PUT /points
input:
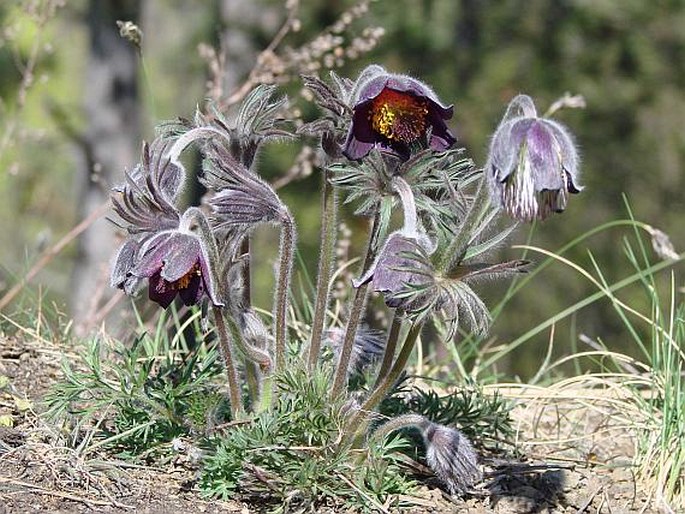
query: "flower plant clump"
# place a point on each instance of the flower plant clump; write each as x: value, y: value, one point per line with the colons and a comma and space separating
x: 385, y: 146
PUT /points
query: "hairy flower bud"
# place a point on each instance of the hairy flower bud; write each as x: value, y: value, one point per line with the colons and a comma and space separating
x: 369, y: 345
x: 533, y: 163
x: 451, y: 457
x: 448, y: 452
x: 401, y: 270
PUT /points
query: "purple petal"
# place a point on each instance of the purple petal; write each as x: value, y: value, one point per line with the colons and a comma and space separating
x: 568, y: 153
x: 393, y: 272
x: 518, y: 133
x: 123, y: 262
x: 152, y: 255
x: 174, y: 253
x: 441, y: 137
x: 184, y: 254
x: 543, y: 156
x: 159, y: 291
x: 355, y: 149
x: 405, y: 84
x: 360, y: 137
x: 372, y: 88
x: 192, y: 294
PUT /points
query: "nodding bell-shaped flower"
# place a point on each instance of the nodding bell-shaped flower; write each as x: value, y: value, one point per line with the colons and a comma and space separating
x: 395, y: 112
x: 533, y: 163
x: 401, y: 271
x: 177, y: 262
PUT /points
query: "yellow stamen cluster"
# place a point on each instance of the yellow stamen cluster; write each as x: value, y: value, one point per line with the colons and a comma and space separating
x: 399, y: 116
x: 184, y: 281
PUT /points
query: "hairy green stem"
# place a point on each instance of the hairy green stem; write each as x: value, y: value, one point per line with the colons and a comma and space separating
x: 390, y: 345
x: 256, y: 359
x: 406, y: 420
x: 252, y: 373
x: 358, y: 303
x: 359, y: 421
x: 459, y: 245
x: 287, y: 246
x: 189, y: 137
x: 326, y: 256
x: 227, y: 353
x: 411, y: 223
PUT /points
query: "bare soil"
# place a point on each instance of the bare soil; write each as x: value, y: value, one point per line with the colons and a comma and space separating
x: 577, y: 449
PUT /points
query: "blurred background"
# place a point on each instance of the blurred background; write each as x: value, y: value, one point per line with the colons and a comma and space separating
x: 76, y: 99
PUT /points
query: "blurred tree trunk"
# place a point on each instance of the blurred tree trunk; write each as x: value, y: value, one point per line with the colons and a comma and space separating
x: 111, y: 103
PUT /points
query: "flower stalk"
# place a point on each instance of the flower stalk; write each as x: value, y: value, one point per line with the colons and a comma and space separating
x: 359, y: 421
x: 234, y: 394
x: 406, y: 195
x: 325, y: 271
x: 287, y: 246
x: 252, y: 372
x: 457, y: 248
x: 390, y: 345
x: 358, y: 303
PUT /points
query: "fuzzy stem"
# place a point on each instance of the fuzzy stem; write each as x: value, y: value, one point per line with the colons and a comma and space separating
x: 390, y: 345
x: 459, y: 245
x: 406, y: 420
x: 245, y: 272
x: 227, y: 353
x: 406, y: 195
x: 287, y: 246
x: 326, y: 256
x: 192, y: 135
x: 257, y: 360
x: 384, y: 387
x: 358, y: 303
x: 252, y: 372
x: 359, y: 421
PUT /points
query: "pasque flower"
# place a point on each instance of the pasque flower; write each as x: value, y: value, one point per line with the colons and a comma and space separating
x: 395, y: 112
x: 176, y: 262
x: 167, y: 248
x: 400, y: 272
x: 533, y: 163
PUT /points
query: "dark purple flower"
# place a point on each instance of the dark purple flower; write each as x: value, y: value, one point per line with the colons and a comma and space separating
x: 400, y: 272
x: 395, y: 111
x: 533, y: 163
x: 175, y: 262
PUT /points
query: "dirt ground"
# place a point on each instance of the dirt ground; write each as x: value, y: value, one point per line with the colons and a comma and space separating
x: 576, y: 447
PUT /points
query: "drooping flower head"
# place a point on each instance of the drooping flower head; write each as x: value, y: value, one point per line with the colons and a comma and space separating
x: 400, y: 272
x: 533, y: 163
x: 177, y: 262
x: 146, y: 205
x: 395, y: 112
x: 451, y: 457
x: 449, y: 453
